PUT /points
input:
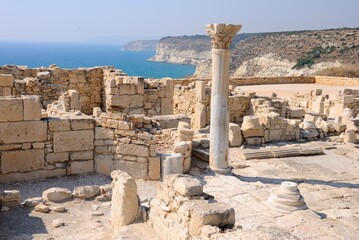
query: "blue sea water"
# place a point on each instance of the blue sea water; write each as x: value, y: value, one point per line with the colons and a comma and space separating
x: 74, y: 55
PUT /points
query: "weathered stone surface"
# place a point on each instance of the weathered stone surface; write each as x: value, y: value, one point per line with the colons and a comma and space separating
x: 10, y: 198
x: 85, y: 155
x: 171, y: 164
x: 104, y: 163
x: 235, y: 135
x: 73, y: 141
x: 32, y: 108
x: 59, y: 124
x: 166, y: 106
x: 11, y: 109
x: 6, y: 80
x: 56, y: 194
x: 135, y: 169
x: 32, y: 202
x: 215, y: 214
x: 22, y: 161
x: 104, y: 133
x: 82, y: 123
x: 82, y: 167
x: 42, y: 208
x: 154, y: 168
x: 125, y: 202
x: 86, y: 191
x: 132, y: 149
x: 57, y: 157
x: 20, y: 132
x: 188, y: 186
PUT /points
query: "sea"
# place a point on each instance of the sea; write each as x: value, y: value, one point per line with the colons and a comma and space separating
x: 74, y: 55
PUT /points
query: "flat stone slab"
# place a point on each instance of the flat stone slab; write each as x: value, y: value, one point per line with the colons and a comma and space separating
x: 248, y: 154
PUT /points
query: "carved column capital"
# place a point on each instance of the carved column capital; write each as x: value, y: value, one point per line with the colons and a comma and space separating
x: 222, y: 34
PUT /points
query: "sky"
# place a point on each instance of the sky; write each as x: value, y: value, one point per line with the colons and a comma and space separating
x: 125, y: 20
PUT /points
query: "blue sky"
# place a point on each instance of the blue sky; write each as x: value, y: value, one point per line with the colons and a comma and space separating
x: 111, y: 20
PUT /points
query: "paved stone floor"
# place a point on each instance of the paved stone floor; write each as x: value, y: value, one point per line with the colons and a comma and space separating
x: 329, y: 184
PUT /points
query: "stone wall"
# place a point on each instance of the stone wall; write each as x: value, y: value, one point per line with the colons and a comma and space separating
x: 134, y: 95
x: 336, y: 81
x: 49, y: 83
x: 31, y: 147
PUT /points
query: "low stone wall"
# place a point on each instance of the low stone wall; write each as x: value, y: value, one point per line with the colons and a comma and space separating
x: 336, y: 81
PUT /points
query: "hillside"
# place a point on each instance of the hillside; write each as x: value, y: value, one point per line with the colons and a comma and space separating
x: 269, y: 54
x: 140, y: 45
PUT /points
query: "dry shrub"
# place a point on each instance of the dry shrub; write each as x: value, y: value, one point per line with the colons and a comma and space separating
x: 345, y: 70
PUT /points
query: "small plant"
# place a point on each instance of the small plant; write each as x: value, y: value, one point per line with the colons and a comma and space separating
x: 308, y: 60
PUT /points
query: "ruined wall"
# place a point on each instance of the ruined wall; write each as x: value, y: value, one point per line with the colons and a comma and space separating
x: 134, y: 95
x: 31, y: 147
x: 49, y: 83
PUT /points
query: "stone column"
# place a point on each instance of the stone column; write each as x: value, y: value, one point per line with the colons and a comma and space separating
x: 221, y: 36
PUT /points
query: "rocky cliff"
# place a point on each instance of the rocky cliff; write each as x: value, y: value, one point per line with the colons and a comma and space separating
x: 268, y: 54
x: 140, y: 45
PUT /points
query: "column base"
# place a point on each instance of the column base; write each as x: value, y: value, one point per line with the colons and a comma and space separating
x: 222, y: 171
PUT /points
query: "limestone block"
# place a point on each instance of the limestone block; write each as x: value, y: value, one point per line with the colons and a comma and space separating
x: 347, y: 99
x: 59, y: 124
x: 82, y: 123
x: 135, y: 169
x: 56, y: 194
x: 38, y: 145
x: 132, y: 149
x: 181, y: 147
x: 6, y: 80
x: 171, y: 164
x: 86, y: 192
x: 11, y: 109
x: 201, y: 90
x: 168, y: 82
x: 82, y: 167
x: 350, y: 136
x: 125, y: 202
x: 86, y: 155
x: 250, y: 122
x: 23, y: 132
x: 126, y: 101
x: 6, y: 91
x: 104, y: 164
x: 52, y: 158
x: 10, y: 198
x: 151, y: 94
x: 297, y: 112
x: 154, y: 168
x: 104, y: 133
x: 215, y: 214
x: 200, y: 117
x: 187, y: 162
x: 75, y: 100
x: 188, y: 186
x: 235, y: 135
x: 124, y: 125
x: 32, y: 108
x: 127, y: 89
x: 138, y: 81
x: 166, y: 106
x: 275, y: 135
x: 73, y: 141
x: 259, y: 132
